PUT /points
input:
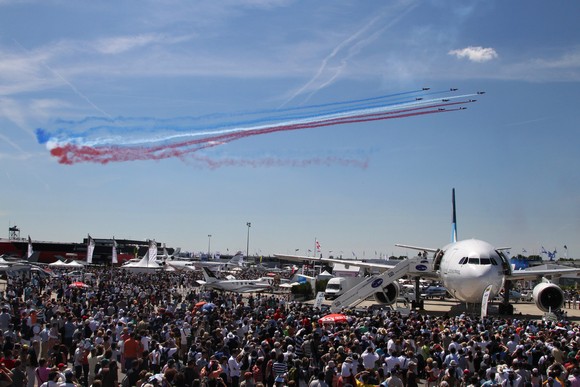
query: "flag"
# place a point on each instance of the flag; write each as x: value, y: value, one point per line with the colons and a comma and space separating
x: 30, y: 251
x: 524, y: 251
x: 317, y: 245
x: 565, y: 247
x: 296, y: 250
x: 90, y: 249
x: 114, y: 252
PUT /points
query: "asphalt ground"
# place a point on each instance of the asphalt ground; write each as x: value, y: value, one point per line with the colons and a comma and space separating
x: 437, y: 307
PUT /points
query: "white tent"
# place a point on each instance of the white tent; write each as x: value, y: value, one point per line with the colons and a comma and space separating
x: 58, y: 263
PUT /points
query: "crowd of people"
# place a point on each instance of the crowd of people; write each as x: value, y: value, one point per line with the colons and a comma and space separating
x: 159, y: 330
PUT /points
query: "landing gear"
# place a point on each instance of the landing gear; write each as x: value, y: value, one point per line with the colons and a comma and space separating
x: 418, y: 305
x: 507, y: 309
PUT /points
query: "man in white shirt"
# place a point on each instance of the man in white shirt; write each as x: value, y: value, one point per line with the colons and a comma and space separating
x: 235, y: 368
x: 369, y: 358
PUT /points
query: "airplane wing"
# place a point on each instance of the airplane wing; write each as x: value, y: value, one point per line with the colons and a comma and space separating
x: 429, y: 249
x: 537, y: 273
x: 346, y: 262
x: 353, y: 262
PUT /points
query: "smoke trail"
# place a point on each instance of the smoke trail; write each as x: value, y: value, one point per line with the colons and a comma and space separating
x: 146, y: 138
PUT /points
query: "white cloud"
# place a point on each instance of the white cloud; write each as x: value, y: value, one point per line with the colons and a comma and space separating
x: 475, y: 54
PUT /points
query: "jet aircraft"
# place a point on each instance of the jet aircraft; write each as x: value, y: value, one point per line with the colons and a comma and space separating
x: 467, y: 267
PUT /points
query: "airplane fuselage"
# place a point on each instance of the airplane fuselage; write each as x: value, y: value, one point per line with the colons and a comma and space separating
x: 467, y: 267
x: 240, y: 286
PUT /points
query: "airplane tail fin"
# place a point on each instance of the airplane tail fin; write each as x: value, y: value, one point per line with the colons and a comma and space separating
x: 237, y: 260
x: 208, y: 275
x: 454, y: 220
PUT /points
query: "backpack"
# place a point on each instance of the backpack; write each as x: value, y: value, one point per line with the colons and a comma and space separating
x: 164, y: 356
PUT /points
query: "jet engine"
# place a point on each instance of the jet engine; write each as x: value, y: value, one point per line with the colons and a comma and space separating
x: 548, y: 296
x: 388, y: 294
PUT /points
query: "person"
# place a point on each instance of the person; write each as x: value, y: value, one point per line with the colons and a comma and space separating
x: 109, y: 374
x: 132, y: 349
x: 512, y: 379
x: 318, y: 380
x: 412, y: 375
x: 234, y: 365
x: 42, y: 372
x: 248, y: 380
x: 395, y: 379
x: 432, y: 372
x: 52, y: 380
x: 69, y: 380
x: 574, y: 378
x: 453, y: 374
x: 19, y: 378
x: 369, y: 358
x: 330, y: 373
x: 347, y: 372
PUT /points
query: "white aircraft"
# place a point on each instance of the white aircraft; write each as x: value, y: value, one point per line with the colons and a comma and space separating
x: 466, y: 268
x: 180, y: 264
x: 165, y: 256
x: 235, y: 285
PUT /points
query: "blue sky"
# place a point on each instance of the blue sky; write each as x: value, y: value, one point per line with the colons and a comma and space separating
x: 512, y: 156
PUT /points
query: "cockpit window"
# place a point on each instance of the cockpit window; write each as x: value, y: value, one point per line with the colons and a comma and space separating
x: 485, y: 261
x: 463, y: 261
x: 474, y: 261
x: 493, y: 261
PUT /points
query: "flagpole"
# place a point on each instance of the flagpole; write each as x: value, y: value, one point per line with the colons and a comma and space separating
x: 314, y: 251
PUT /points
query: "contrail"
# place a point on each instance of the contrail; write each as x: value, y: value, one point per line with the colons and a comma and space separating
x: 62, y: 78
x: 353, y: 44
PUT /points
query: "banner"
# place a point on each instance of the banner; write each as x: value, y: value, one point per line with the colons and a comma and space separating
x: 485, y: 300
x: 90, y: 250
x: 152, y: 254
x: 114, y: 252
x: 319, y: 299
x: 30, y: 251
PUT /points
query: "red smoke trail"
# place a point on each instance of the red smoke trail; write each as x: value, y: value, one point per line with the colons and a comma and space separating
x: 271, y: 162
x: 71, y: 154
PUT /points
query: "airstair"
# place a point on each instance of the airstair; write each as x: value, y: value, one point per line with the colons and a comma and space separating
x: 382, y: 284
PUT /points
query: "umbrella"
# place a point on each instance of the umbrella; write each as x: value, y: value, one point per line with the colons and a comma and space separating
x: 332, y: 318
x: 200, y: 304
x: 208, y: 306
x: 78, y: 285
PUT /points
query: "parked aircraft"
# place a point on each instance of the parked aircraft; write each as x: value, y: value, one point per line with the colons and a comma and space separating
x: 235, y: 285
x: 466, y: 268
x: 180, y: 264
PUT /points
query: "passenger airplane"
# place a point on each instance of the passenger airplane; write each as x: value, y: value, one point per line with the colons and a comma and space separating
x: 235, y: 285
x: 466, y: 268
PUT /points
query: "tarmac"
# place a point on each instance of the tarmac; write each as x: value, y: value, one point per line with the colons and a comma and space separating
x: 436, y: 307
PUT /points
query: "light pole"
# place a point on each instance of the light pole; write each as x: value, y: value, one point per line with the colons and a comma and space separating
x: 248, y: 239
x: 208, y: 245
